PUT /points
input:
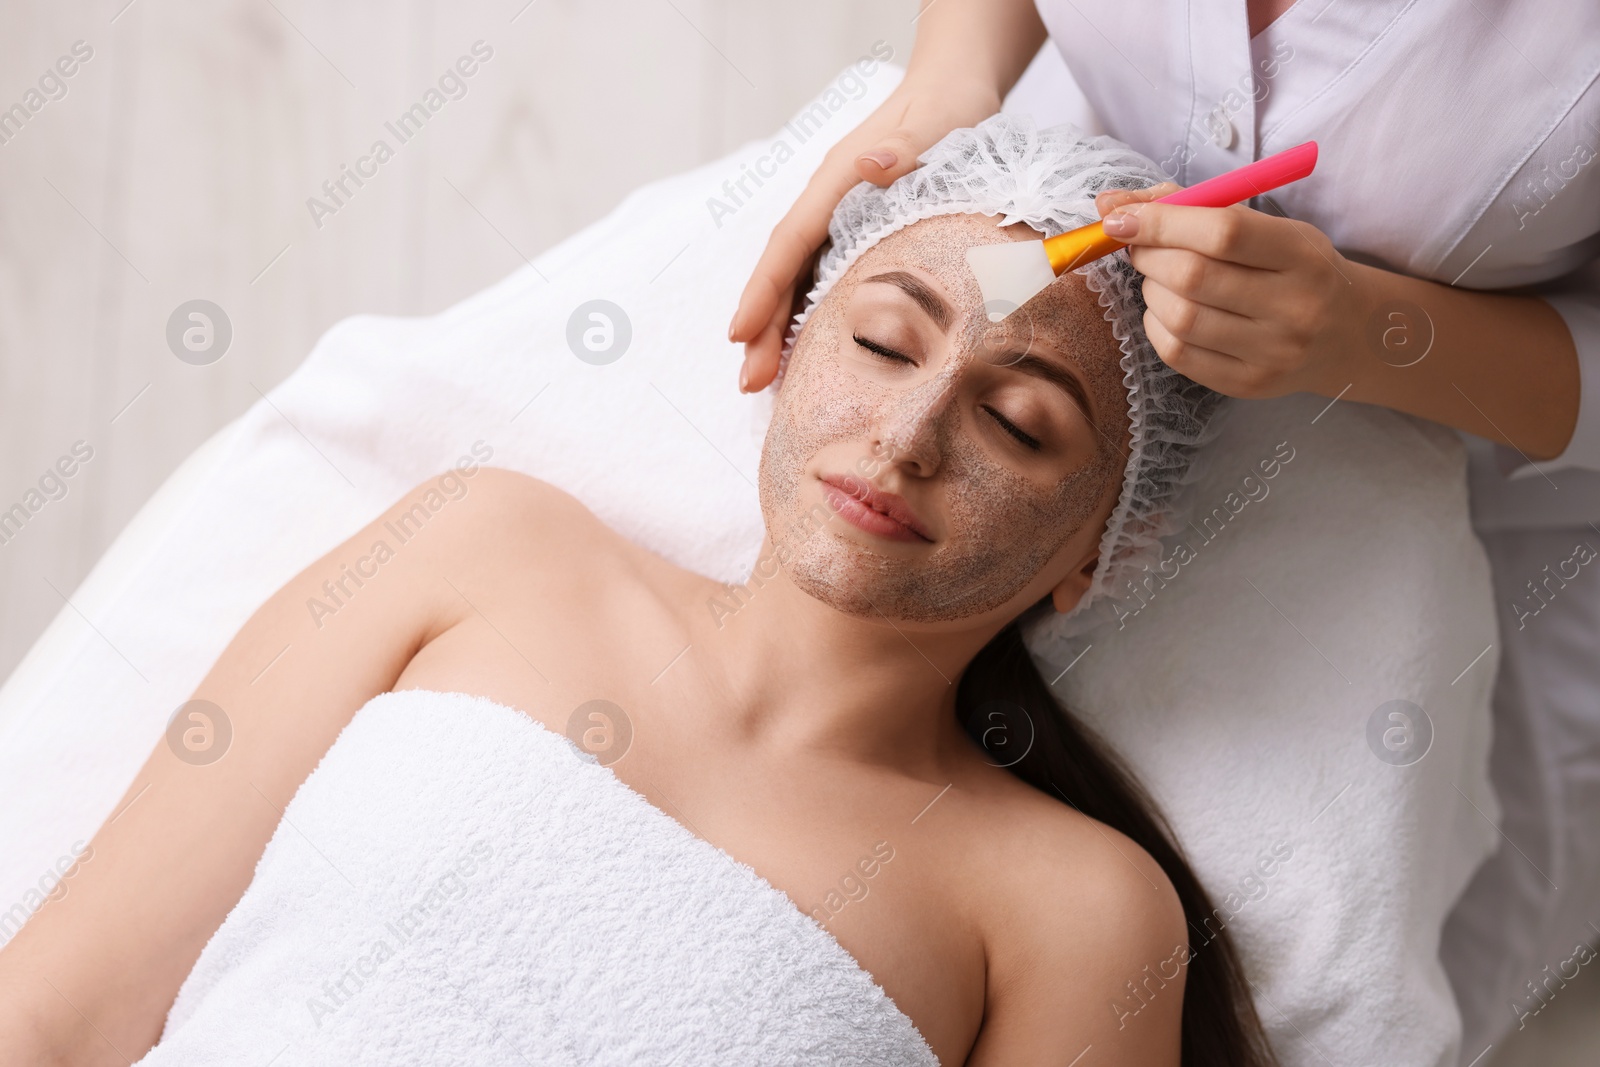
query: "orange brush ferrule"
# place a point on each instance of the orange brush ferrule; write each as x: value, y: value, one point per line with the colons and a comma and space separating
x: 1077, y: 247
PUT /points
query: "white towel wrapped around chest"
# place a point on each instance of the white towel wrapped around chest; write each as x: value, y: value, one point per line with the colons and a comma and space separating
x: 456, y: 884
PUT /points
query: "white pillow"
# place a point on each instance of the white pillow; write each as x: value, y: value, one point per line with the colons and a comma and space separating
x: 1329, y: 571
x: 1241, y: 726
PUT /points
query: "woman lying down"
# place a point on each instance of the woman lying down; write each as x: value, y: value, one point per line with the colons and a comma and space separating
x: 525, y: 800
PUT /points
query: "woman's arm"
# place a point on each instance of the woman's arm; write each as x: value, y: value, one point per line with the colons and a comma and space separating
x: 968, y: 54
x: 91, y: 976
x: 1254, y: 305
x: 1088, y: 958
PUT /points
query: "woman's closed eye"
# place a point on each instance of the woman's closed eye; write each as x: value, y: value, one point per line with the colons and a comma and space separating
x: 1026, y: 439
x: 884, y: 352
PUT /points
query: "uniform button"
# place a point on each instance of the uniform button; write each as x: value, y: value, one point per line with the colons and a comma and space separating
x: 1223, y: 134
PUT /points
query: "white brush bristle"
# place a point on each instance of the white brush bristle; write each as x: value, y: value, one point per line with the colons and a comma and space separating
x: 1009, y: 274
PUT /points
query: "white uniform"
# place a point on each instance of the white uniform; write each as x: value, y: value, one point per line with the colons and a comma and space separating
x: 1460, y: 142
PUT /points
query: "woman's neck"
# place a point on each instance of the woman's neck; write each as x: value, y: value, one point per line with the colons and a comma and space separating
x: 798, y: 673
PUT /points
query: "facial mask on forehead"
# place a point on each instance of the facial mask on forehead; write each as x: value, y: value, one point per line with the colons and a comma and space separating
x: 1048, y: 179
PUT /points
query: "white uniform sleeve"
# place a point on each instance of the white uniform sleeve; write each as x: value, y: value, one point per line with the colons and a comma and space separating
x: 1581, y: 311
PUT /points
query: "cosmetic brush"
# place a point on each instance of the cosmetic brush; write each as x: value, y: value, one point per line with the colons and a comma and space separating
x: 1011, y: 272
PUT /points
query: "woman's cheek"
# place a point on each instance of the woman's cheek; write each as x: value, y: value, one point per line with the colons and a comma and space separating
x: 837, y: 402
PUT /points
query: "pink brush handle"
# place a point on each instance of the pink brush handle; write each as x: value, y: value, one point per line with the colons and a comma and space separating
x: 1252, y: 179
x: 1086, y: 244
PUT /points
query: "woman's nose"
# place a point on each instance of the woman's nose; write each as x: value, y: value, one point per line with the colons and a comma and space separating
x: 915, y: 425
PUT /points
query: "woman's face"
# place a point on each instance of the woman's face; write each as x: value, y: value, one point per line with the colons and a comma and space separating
x: 928, y: 465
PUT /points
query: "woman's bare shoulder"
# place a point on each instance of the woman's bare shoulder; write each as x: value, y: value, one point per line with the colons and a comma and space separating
x: 523, y: 504
x: 509, y: 526
x: 1077, y: 911
x: 494, y: 517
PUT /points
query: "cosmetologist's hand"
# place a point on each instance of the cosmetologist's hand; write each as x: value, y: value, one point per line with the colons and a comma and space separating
x: 1254, y: 305
x: 886, y: 145
x: 1246, y: 303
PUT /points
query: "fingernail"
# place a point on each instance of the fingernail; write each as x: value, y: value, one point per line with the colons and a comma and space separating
x: 1122, y: 223
x: 881, y: 156
x: 744, y: 378
x: 731, y: 324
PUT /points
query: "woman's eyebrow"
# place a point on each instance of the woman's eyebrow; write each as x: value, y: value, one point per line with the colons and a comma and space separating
x: 1059, y: 376
x: 919, y: 291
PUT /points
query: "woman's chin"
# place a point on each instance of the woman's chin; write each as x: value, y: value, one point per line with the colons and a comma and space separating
x: 866, y: 584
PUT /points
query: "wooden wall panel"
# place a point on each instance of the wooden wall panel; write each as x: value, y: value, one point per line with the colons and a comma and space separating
x: 178, y: 165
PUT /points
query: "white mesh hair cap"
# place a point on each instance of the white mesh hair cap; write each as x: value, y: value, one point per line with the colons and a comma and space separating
x: 1048, y: 178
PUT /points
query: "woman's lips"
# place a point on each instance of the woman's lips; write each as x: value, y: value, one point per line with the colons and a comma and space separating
x: 872, y: 510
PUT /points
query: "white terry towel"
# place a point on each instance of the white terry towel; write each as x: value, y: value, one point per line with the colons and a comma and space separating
x: 456, y: 884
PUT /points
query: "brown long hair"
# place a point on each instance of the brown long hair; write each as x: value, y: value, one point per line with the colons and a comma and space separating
x: 1065, y: 759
